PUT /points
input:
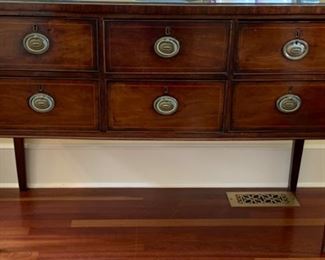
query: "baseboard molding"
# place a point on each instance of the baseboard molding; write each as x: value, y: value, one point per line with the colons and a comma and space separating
x: 8, y: 185
x: 148, y: 185
x: 48, y: 144
x: 72, y: 144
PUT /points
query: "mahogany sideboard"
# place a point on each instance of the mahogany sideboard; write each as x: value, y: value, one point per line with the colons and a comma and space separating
x: 190, y: 70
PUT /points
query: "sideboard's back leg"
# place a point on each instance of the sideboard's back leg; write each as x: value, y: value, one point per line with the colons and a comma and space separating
x: 322, y: 250
x: 20, y: 163
x: 297, y: 150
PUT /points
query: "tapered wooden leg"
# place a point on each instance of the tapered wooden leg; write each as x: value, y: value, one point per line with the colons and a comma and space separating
x: 20, y: 163
x: 296, y: 155
x: 322, y: 251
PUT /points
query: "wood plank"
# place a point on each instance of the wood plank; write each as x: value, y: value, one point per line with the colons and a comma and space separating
x: 305, y: 258
x: 28, y: 255
x: 34, y: 223
x: 13, y: 231
x: 71, y: 198
x: 195, y: 222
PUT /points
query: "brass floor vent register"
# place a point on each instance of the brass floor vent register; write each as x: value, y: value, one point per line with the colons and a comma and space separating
x: 262, y: 199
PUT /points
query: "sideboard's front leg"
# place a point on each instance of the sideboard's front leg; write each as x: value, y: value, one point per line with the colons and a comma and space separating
x: 297, y: 150
x: 20, y: 163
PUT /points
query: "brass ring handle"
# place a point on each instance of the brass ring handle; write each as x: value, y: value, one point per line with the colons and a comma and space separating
x: 41, y: 103
x: 295, y: 49
x: 167, y: 47
x: 288, y: 103
x: 165, y: 105
x: 36, y: 43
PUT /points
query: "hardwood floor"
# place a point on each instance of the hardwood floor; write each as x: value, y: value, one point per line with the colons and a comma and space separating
x: 156, y: 224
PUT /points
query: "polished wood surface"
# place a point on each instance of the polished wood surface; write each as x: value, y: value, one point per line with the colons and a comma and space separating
x: 260, y: 46
x: 76, y: 104
x: 73, y: 44
x: 200, y: 106
x: 156, y: 224
x: 237, y: 9
x: 19, y: 145
x: 118, y: 46
x: 254, y: 106
x: 203, y: 46
x: 103, y: 73
x: 296, y: 156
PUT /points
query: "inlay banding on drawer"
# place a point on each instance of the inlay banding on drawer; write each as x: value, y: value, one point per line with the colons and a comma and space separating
x: 286, y: 105
x: 166, y: 46
x: 48, y: 44
x: 74, y: 104
x: 280, y: 47
x: 178, y: 106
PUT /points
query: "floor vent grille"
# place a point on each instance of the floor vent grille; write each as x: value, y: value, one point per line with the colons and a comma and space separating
x: 262, y: 199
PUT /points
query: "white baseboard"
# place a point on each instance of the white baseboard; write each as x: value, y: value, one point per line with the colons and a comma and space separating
x: 8, y: 185
x: 72, y: 144
x: 148, y: 185
x: 144, y: 185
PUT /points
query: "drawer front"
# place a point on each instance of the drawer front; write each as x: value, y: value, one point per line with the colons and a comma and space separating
x: 47, y: 44
x: 279, y: 105
x: 281, y: 47
x: 171, y: 46
x: 166, y: 106
x: 57, y: 104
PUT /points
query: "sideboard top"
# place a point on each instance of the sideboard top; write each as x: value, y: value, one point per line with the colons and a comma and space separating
x: 222, y: 8
x: 237, y: 3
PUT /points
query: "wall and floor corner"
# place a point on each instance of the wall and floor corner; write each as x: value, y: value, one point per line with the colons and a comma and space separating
x: 72, y: 163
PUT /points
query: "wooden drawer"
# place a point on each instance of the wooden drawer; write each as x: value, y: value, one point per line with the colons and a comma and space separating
x: 75, y: 104
x: 261, y: 47
x: 130, y: 46
x: 71, y: 44
x: 255, y: 105
x: 200, y: 105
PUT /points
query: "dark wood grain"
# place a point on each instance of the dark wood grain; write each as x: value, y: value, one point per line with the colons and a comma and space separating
x: 200, y: 106
x: 203, y: 46
x: 163, y: 10
x: 20, y: 163
x: 296, y: 155
x: 104, y: 75
x: 76, y: 104
x: 122, y: 36
x: 260, y: 47
x: 254, y: 106
x: 73, y: 44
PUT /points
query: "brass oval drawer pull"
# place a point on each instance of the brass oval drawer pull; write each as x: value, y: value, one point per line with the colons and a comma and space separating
x: 295, y: 49
x: 167, y: 47
x: 36, y: 43
x: 41, y: 103
x: 165, y: 105
x: 288, y: 103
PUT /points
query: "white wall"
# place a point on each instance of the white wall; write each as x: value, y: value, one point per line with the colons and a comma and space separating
x: 71, y: 163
